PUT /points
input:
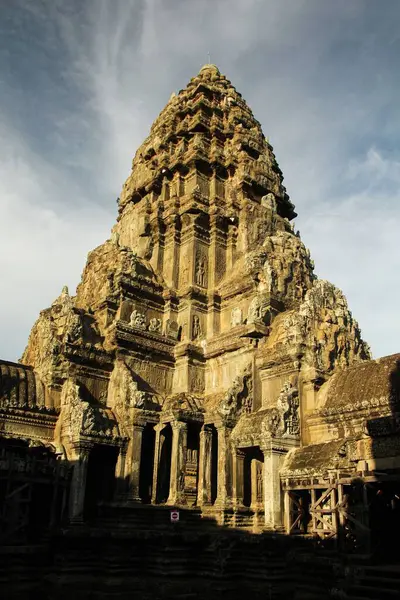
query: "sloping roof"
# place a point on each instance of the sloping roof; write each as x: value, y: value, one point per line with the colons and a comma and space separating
x: 316, y: 457
x: 19, y: 387
x: 365, y: 381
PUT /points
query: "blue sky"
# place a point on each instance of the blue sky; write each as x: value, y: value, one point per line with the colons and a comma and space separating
x: 81, y: 83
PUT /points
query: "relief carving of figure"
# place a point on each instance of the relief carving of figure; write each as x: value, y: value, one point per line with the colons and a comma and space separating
x: 272, y: 425
x: 184, y: 274
x: 196, y: 327
x: 155, y: 324
x: 283, y: 420
x: 172, y: 329
x: 136, y: 398
x: 236, y: 316
x: 200, y: 272
x: 89, y: 421
x: 239, y: 398
x: 75, y: 332
x: 138, y: 319
x: 269, y: 201
x: 259, y: 310
x: 134, y: 265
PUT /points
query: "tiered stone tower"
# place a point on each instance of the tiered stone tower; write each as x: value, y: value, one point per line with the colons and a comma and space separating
x: 191, y: 357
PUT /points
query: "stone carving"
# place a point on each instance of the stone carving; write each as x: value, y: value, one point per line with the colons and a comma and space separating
x: 124, y: 392
x: 236, y: 316
x: 75, y: 332
x: 259, y: 482
x: 288, y: 406
x: 283, y: 420
x: 155, y: 324
x: 271, y: 425
x: 239, y: 398
x: 200, y: 276
x: 138, y: 319
x: 172, y: 329
x: 196, y: 327
x: 259, y: 310
x: 79, y: 418
x: 134, y: 265
x: 269, y: 201
x: 184, y: 274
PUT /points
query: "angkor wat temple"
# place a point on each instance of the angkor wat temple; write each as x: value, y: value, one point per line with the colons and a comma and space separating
x: 201, y: 364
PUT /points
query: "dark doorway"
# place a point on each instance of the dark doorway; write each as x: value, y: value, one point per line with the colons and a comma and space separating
x: 164, y: 466
x: 100, y: 482
x: 147, y: 463
x: 253, y: 477
x: 214, y: 464
x: 192, y: 463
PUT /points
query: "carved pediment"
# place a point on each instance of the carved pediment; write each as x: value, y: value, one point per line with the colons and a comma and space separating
x: 239, y: 398
x: 284, y: 420
x: 79, y: 417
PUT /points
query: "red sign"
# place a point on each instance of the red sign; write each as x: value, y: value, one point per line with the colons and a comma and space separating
x: 174, y: 516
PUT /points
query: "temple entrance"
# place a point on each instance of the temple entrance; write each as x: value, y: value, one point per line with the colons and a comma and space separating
x: 100, y: 481
x: 214, y: 464
x: 164, y: 467
x: 253, y: 467
x: 147, y: 463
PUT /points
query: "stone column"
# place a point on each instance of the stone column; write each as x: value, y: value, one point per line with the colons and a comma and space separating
x: 272, y: 487
x: 158, y: 428
x: 135, y: 450
x: 78, y: 484
x: 224, y: 485
x: 178, y: 460
x: 204, y: 485
x: 237, y: 477
x: 253, y: 474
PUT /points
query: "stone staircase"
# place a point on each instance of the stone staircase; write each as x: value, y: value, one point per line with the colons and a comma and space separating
x: 120, y: 554
x: 133, y: 519
x: 22, y: 568
x: 375, y: 583
x: 314, y: 574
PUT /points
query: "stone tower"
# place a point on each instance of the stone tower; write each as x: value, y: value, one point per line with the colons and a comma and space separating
x: 199, y: 336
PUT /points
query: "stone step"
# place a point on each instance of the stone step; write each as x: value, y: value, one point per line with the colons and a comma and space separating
x: 372, y: 593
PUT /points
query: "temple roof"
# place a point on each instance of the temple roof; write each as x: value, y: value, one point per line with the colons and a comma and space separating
x: 208, y: 127
x: 365, y: 381
x: 315, y: 458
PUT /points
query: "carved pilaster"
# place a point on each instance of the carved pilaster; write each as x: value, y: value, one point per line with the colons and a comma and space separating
x: 78, y: 483
x: 158, y: 428
x: 171, y: 252
x: 272, y: 486
x: 178, y: 460
x: 224, y: 485
x: 204, y: 486
x: 135, y: 450
x: 237, y: 477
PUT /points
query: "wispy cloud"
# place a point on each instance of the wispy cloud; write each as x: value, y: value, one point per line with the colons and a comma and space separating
x: 82, y: 83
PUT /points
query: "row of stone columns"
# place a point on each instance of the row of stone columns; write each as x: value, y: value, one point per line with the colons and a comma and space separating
x: 230, y: 467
